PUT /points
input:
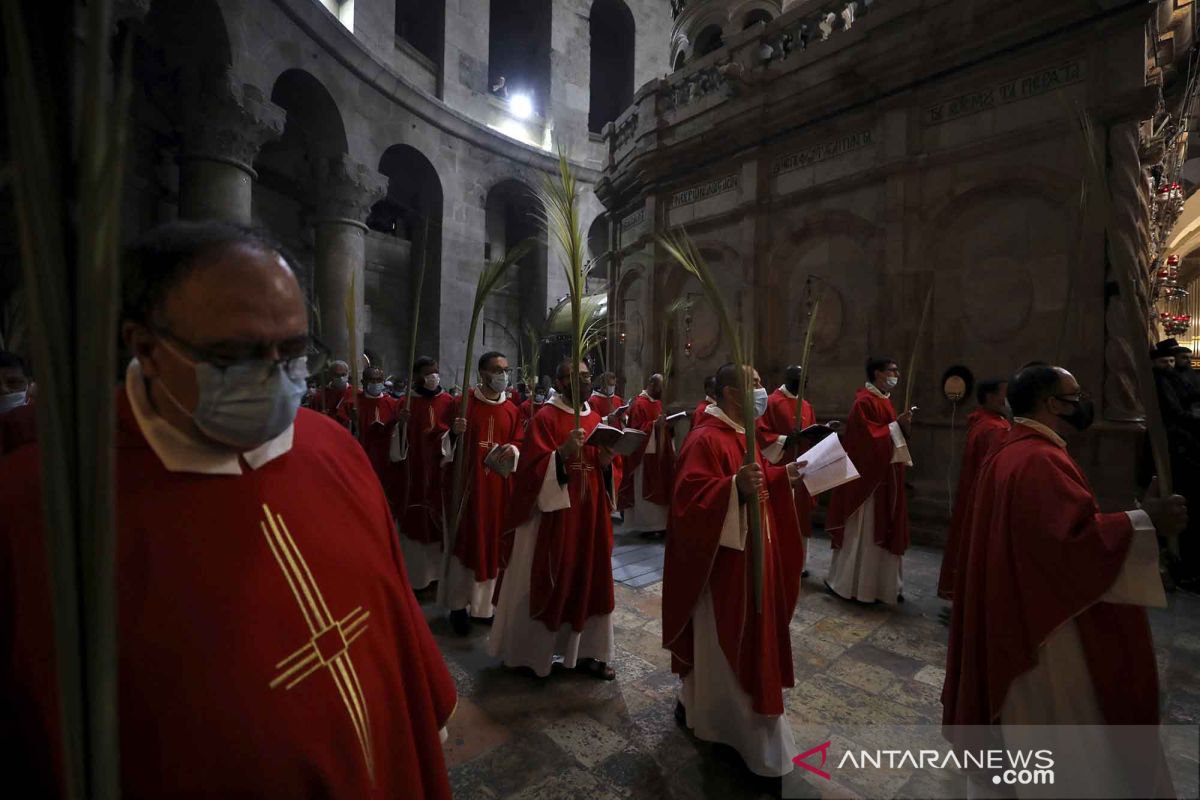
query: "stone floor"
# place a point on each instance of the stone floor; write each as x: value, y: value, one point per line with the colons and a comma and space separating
x: 569, y: 736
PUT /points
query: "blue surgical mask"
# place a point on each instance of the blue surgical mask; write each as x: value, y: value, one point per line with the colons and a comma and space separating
x: 760, y: 402
x: 497, y: 381
x: 374, y: 389
x: 12, y: 400
x: 339, y: 382
x: 248, y: 403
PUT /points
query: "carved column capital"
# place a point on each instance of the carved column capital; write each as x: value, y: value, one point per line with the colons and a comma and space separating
x: 345, y: 190
x: 223, y: 120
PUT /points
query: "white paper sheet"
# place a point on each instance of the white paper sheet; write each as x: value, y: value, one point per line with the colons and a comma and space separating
x: 828, y: 466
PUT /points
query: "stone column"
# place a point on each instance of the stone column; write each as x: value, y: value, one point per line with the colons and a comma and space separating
x: 224, y: 125
x: 345, y: 191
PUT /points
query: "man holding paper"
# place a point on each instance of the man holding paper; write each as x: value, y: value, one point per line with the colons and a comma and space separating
x: 646, y: 489
x: 491, y: 433
x: 556, y: 590
x: 780, y: 438
x: 734, y: 660
x: 868, y: 518
x: 604, y: 399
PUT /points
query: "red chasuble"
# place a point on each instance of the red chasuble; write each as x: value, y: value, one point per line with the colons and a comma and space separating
x: 415, y: 484
x: 485, y: 500
x: 698, y: 414
x: 780, y: 420
x: 868, y: 442
x: 376, y: 418
x: 1036, y: 553
x: 330, y: 402
x: 270, y: 643
x: 528, y: 409
x: 659, y: 473
x: 18, y: 427
x: 603, y: 405
x: 571, y: 578
x: 757, y: 646
x: 985, y: 430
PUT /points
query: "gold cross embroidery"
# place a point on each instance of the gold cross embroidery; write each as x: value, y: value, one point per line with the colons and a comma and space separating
x: 432, y: 424
x: 488, y: 444
x: 329, y: 644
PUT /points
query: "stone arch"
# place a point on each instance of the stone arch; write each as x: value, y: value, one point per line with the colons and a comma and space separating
x: 512, y: 214
x: 612, y: 33
x: 632, y: 323
x: 710, y: 39
x: 519, y: 49
x: 408, y: 232
x: 755, y: 16
x: 184, y: 34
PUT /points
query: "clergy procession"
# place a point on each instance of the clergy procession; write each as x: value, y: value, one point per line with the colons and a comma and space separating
x: 535, y: 400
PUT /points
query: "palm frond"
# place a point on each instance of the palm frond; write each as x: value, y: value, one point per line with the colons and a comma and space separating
x: 806, y: 356
x: 681, y: 248
x: 910, y: 375
x: 559, y: 196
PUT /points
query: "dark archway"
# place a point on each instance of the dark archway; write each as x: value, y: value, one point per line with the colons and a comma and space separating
x: 422, y: 23
x: 512, y: 216
x: 612, y: 37
x: 708, y: 40
x: 411, y: 212
x: 519, y: 49
x: 756, y: 16
x: 680, y: 60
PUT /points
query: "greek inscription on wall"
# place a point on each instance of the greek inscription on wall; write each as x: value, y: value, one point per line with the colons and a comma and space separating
x: 634, y: 218
x: 705, y: 190
x: 821, y: 152
x: 1011, y: 91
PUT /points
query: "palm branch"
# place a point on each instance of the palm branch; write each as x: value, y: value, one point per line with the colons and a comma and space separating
x: 68, y: 221
x: 680, y: 247
x: 910, y: 373
x: 489, y: 280
x: 805, y: 357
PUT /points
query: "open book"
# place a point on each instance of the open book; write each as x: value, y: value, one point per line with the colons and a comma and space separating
x: 621, y: 442
x: 828, y: 466
x: 494, y: 462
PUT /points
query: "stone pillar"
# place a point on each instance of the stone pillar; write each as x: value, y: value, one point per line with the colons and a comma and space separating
x: 345, y: 190
x: 224, y: 125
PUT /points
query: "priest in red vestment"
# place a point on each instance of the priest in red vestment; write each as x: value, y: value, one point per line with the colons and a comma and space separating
x: 336, y: 396
x: 734, y: 660
x: 415, y: 478
x: 868, y: 518
x: 533, y: 404
x: 604, y: 399
x: 18, y: 416
x: 710, y: 384
x: 492, y: 423
x: 556, y: 590
x: 645, y: 493
x: 375, y: 417
x: 269, y: 643
x: 1048, y: 625
x: 986, y: 427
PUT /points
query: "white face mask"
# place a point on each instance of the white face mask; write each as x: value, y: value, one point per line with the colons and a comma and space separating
x: 760, y: 402
x: 890, y: 382
x: 497, y: 381
x: 11, y: 400
x: 432, y: 381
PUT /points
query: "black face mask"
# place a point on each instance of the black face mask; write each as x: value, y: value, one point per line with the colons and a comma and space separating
x: 1082, y: 417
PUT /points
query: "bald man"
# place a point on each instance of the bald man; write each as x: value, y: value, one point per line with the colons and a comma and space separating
x: 270, y: 643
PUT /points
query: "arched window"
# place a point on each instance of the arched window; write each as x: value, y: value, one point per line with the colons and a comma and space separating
x: 612, y: 29
x: 519, y: 50
x: 756, y: 16
x: 511, y: 216
x: 708, y: 40
x: 422, y: 23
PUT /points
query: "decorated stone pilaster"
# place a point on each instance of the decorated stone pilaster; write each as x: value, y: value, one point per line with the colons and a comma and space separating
x: 225, y: 124
x: 345, y: 191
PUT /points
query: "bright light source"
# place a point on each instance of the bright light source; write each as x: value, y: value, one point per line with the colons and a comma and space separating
x: 521, y: 106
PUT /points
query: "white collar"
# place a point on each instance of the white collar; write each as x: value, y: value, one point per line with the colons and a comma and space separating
x: 873, y: 389
x: 645, y: 394
x: 562, y: 405
x: 715, y: 410
x: 784, y: 391
x: 1044, y: 430
x: 708, y: 399
x: 179, y: 452
x: 479, y: 396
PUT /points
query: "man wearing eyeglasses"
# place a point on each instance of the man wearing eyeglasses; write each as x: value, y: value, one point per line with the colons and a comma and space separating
x: 1049, y: 624
x: 270, y: 643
